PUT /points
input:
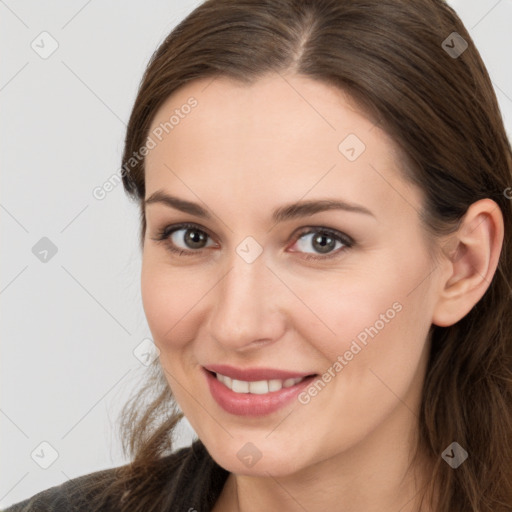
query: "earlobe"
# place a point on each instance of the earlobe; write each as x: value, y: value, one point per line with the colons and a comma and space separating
x: 470, y: 256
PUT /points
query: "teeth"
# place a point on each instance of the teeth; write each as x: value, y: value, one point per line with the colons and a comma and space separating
x: 275, y: 385
x: 240, y: 386
x: 259, y: 387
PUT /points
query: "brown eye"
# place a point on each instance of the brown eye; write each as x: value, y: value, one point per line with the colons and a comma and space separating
x: 183, y: 238
x: 193, y: 238
x: 323, y: 241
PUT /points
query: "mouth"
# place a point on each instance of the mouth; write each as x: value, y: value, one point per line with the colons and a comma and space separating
x: 252, y: 398
x: 258, y: 387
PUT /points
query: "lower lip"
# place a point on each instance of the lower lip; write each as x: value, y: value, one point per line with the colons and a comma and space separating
x: 249, y: 404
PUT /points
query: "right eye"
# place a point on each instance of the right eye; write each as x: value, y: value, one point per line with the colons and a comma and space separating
x: 192, y: 235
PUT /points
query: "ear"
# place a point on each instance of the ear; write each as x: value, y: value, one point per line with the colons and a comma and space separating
x: 470, y: 258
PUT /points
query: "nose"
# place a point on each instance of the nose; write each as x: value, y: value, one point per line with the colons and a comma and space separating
x: 248, y: 306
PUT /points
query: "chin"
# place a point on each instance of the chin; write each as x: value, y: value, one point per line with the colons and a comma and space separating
x: 250, y: 461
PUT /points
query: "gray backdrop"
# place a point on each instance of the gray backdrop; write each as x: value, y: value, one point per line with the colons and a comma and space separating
x: 75, y: 341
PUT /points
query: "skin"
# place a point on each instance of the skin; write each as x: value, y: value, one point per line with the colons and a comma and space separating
x: 243, y: 151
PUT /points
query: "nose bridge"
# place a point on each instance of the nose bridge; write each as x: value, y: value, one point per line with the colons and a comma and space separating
x: 244, y: 308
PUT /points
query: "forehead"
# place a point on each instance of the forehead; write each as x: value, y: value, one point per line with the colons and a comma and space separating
x: 278, y: 139
x: 291, y: 106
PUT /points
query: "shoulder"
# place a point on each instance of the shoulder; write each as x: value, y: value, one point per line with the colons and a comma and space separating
x: 76, y: 494
x: 65, y: 496
x: 70, y: 495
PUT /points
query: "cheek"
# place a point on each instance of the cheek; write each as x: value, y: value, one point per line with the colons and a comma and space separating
x: 374, y: 358
x: 342, y: 308
x: 373, y: 317
x: 169, y: 296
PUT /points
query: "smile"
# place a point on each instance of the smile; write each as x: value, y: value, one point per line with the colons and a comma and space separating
x: 255, y: 397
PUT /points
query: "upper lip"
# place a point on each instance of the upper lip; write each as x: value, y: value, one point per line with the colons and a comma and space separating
x: 255, y: 374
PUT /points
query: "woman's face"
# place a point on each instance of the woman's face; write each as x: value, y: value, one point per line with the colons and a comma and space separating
x: 244, y: 294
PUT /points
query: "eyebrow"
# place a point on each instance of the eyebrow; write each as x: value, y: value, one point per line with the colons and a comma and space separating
x: 281, y: 214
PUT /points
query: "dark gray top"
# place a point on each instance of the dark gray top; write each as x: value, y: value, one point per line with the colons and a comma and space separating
x: 193, y: 480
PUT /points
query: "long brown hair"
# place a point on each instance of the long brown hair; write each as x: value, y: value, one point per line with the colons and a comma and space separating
x: 442, y: 111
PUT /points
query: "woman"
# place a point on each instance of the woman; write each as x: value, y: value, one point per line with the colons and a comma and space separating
x: 326, y: 227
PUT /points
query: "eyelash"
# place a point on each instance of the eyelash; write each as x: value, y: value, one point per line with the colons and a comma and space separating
x: 164, y: 234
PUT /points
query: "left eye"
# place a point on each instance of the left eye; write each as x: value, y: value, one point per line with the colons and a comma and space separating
x: 324, y: 240
x: 321, y: 239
